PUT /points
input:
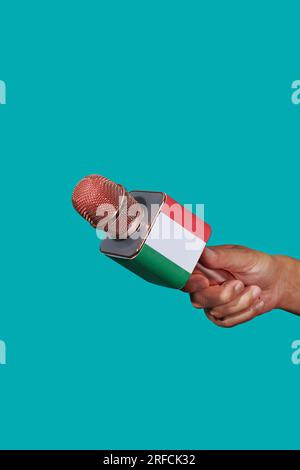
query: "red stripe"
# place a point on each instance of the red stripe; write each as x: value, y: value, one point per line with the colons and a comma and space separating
x: 186, y: 218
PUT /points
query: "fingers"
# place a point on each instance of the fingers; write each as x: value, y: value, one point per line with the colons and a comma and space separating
x: 196, y: 282
x: 215, y: 276
x: 229, y: 304
x: 216, y: 295
x: 228, y: 257
x: 233, y: 320
x: 241, y: 302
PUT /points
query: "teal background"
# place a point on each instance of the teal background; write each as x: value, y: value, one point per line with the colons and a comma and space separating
x: 191, y: 98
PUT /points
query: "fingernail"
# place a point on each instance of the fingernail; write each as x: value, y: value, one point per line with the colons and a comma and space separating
x: 256, y: 291
x: 239, y: 287
x: 195, y: 305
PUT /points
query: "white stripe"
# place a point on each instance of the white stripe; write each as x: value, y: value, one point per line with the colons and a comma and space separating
x: 173, y: 241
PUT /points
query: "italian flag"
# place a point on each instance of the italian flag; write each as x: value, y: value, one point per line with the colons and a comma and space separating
x: 172, y: 248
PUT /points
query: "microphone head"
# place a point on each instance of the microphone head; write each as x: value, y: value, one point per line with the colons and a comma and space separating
x: 107, y: 206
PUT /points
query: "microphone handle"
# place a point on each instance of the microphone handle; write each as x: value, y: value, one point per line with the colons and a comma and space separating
x: 216, y: 275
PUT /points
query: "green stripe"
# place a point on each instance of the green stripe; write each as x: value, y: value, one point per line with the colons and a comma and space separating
x: 156, y: 268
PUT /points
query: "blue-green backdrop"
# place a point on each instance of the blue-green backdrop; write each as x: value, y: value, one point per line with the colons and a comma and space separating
x: 192, y: 98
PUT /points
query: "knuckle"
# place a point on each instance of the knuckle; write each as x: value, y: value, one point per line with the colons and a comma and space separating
x: 225, y: 296
x: 232, y: 309
x: 241, y: 303
x: 217, y: 314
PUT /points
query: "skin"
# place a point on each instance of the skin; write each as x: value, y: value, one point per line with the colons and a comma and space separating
x: 261, y: 283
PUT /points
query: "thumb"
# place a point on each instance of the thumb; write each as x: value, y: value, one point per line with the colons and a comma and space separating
x: 228, y: 257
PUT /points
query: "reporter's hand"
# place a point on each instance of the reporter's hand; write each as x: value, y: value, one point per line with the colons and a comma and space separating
x: 261, y: 284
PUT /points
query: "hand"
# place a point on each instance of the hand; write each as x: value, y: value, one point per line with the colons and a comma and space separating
x: 261, y: 283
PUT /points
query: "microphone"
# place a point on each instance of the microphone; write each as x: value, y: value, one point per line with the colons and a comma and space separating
x: 94, y: 195
x: 146, y: 231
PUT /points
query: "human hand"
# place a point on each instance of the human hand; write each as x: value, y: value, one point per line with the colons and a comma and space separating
x: 261, y: 283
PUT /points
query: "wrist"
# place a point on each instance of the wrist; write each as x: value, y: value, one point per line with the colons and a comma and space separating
x: 288, y: 283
